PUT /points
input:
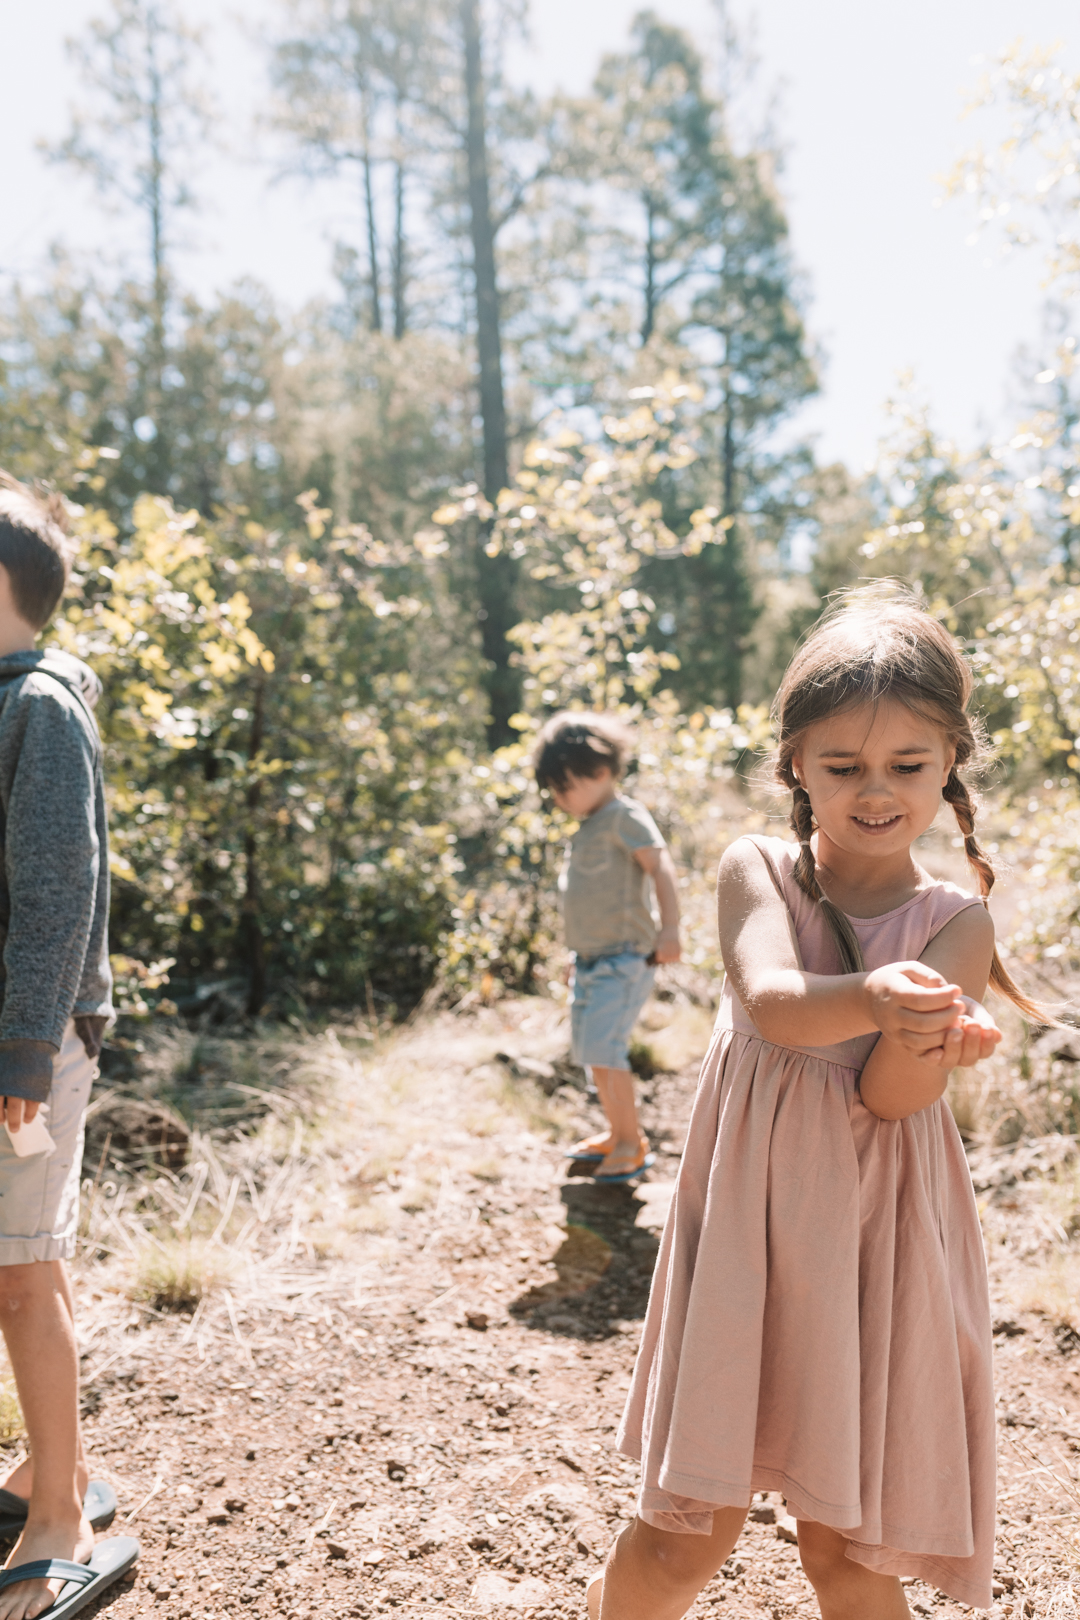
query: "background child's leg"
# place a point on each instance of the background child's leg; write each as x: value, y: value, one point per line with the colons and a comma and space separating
x: 656, y: 1574
x: 38, y: 1330
x: 615, y: 1088
x: 846, y: 1590
x: 21, y: 1479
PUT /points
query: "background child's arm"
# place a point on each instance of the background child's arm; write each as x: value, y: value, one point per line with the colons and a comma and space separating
x: 792, y: 1007
x: 661, y: 868
x: 897, y: 1082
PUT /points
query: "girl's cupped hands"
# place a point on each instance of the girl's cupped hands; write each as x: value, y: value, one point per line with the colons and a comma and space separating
x: 916, y: 1007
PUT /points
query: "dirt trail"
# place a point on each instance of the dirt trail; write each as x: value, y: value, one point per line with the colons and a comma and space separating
x: 426, y: 1423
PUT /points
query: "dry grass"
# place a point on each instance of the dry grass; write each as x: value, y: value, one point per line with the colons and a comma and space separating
x: 344, y: 1142
x: 675, y: 1034
x: 178, y: 1273
x: 11, y: 1418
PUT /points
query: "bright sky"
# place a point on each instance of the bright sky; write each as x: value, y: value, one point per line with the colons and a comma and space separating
x: 871, y: 113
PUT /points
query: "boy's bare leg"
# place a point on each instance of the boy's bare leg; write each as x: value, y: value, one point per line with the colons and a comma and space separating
x: 37, y: 1325
x: 656, y: 1574
x: 21, y: 1478
x: 846, y: 1590
x: 616, y: 1091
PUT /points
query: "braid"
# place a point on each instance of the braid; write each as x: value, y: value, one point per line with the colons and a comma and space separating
x: 801, y: 822
x: 956, y: 793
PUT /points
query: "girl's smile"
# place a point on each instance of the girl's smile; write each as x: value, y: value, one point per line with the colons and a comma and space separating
x: 874, y: 775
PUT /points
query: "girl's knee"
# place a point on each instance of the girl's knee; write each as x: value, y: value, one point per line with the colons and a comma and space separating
x: 822, y: 1553
x: 681, y: 1560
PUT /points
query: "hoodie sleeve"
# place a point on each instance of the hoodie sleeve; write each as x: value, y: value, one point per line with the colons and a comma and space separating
x: 52, y: 858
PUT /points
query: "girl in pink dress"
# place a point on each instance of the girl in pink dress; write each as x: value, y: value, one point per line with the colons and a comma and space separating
x: 819, y: 1323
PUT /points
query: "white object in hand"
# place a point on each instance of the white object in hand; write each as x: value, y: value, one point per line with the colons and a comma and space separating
x: 31, y: 1138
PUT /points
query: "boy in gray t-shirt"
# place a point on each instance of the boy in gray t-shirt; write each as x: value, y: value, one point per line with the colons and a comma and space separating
x: 617, y: 866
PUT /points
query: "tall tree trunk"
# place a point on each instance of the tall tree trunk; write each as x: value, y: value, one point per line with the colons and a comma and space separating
x: 155, y: 181
x: 397, y: 267
x: 727, y: 470
x: 157, y: 452
x: 648, y: 319
x: 497, y: 575
x: 375, y: 316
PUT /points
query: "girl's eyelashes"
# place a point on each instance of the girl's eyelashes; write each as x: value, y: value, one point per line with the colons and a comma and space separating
x: 849, y: 770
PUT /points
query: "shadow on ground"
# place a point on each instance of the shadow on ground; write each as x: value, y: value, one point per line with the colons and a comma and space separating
x: 603, y: 1268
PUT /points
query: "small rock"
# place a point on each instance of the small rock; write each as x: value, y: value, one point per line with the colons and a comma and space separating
x: 762, y: 1513
x: 236, y: 1504
x: 217, y: 1515
x: 374, y: 1555
x: 1007, y: 1328
x: 336, y: 1550
x: 571, y: 1462
x: 496, y: 1592
x: 215, y: 1481
x: 477, y: 1320
x: 395, y: 1470
x: 292, y: 1501
x: 787, y: 1529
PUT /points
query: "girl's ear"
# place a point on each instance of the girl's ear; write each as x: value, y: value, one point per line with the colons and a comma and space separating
x: 950, y: 761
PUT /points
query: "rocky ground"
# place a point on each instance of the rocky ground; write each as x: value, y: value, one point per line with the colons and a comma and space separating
x: 422, y: 1419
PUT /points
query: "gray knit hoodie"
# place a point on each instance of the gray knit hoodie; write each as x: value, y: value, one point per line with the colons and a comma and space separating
x: 54, y: 882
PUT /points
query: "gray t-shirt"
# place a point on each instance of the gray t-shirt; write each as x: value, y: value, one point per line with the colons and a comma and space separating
x: 606, y: 898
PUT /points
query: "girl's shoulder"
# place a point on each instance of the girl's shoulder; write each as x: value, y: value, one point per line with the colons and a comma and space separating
x: 942, y: 900
x: 753, y: 853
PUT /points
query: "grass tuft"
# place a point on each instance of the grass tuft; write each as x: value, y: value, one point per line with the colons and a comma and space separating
x: 176, y: 1274
x: 11, y: 1418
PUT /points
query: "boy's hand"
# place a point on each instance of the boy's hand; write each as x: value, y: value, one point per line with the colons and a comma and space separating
x: 667, y: 948
x: 18, y: 1111
x: 913, y: 1005
x: 90, y: 1028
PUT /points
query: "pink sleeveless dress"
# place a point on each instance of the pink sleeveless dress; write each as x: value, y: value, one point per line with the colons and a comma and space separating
x: 819, y: 1323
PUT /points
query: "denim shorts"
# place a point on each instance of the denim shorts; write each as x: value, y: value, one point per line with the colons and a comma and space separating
x: 609, y: 993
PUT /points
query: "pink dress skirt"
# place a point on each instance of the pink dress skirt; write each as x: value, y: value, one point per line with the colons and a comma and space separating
x: 819, y: 1323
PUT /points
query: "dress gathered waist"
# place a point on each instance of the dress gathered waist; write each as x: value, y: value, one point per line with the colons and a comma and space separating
x: 850, y: 1054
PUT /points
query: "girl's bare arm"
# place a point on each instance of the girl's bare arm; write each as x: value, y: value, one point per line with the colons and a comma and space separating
x: 793, y: 1007
x: 896, y: 1081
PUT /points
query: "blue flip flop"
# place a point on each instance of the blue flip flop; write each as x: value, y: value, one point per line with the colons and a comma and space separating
x: 99, y: 1504
x: 82, y: 1582
x: 584, y: 1158
x: 627, y: 1175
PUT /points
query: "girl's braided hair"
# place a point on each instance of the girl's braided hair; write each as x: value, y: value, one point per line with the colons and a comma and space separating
x: 876, y: 643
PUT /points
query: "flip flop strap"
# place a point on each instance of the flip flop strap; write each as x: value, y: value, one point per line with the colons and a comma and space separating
x: 47, y: 1569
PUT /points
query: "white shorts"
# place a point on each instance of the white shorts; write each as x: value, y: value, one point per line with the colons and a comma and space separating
x: 39, y: 1195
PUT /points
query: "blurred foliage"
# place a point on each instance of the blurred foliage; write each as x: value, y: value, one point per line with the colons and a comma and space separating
x: 277, y: 815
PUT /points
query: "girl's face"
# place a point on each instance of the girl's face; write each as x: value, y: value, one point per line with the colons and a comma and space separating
x: 874, y: 775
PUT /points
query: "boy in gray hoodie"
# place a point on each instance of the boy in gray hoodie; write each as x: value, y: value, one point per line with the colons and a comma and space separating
x: 55, y: 990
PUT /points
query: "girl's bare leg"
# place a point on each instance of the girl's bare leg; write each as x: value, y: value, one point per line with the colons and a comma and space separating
x: 656, y: 1574
x: 846, y: 1590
